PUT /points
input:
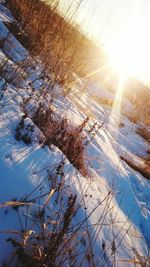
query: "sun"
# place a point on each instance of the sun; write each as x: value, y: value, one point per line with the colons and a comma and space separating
x: 127, y: 54
x: 122, y: 57
x: 129, y: 50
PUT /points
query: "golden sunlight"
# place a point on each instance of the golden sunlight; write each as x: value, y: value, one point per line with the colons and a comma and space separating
x: 116, y: 109
x: 129, y: 55
x: 128, y: 51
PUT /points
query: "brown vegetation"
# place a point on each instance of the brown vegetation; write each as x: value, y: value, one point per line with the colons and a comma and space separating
x: 143, y: 168
x: 59, y: 44
x: 144, y: 133
x: 47, y: 246
x: 66, y: 137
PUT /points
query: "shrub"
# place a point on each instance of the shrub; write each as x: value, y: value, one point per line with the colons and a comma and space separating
x: 24, y: 132
x: 48, y: 246
x: 60, y: 133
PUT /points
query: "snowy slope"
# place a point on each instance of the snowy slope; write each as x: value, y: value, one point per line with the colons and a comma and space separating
x: 114, y: 196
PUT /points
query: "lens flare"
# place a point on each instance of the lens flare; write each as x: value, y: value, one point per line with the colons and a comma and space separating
x: 118, y: 99
x: 114, y: 119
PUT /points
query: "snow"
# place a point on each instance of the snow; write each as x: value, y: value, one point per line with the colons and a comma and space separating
x: 112, y: 187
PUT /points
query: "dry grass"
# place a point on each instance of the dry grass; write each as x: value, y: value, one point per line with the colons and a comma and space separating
x: 59, y: 44
x: 144, y: 133
x: 143, y: 168
x: 66, y: 137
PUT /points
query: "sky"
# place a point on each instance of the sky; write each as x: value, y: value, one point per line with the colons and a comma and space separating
x: 108, y: 21
x: 101, y: 18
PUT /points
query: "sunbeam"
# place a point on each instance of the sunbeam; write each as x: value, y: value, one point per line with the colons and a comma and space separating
x: 116, y: 109
x: 93, y: 73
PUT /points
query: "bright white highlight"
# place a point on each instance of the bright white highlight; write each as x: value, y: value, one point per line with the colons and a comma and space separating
x: 129, y: 50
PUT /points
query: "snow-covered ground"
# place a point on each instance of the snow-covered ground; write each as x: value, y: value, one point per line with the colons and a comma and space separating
x: 114, y: 197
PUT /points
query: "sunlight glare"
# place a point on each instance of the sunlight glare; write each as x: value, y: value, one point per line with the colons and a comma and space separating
x: 114, y: 119
x: 118, y: 100
x: 128, y: 51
